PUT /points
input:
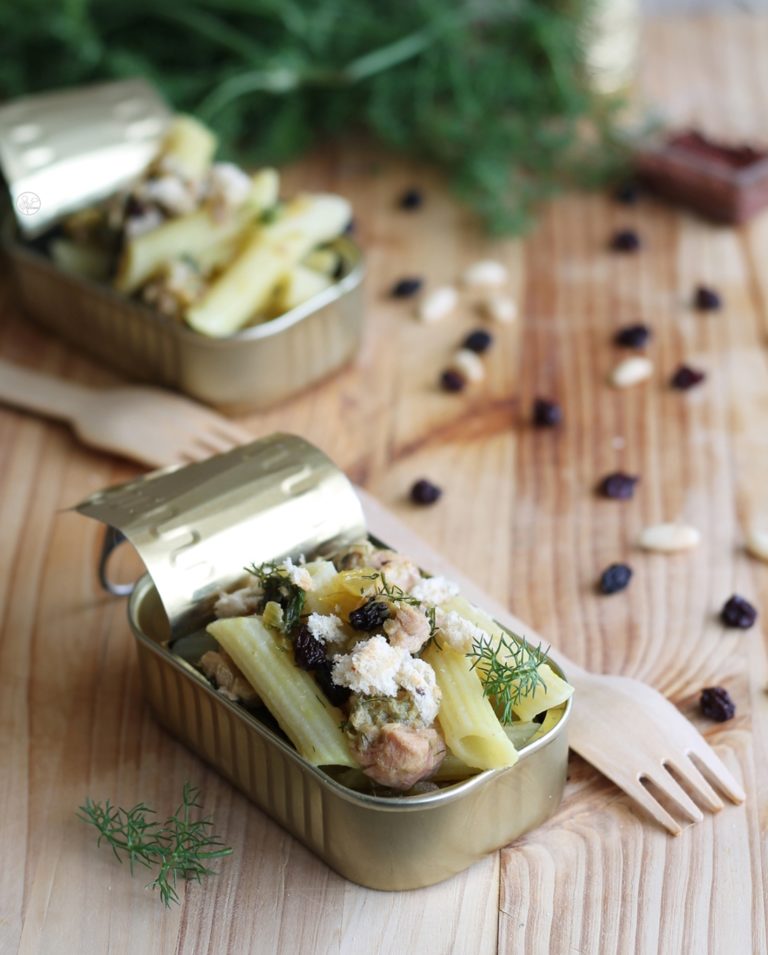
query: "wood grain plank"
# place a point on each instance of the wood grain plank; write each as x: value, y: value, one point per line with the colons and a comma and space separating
x: 518, y: 514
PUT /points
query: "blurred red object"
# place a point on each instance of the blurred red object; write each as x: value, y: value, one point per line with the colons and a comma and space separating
x: 722, y: 182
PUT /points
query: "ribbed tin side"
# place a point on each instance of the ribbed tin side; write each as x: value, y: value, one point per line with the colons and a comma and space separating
x: 117, y: 332
x: 254, y: 369
x: 220, y: 735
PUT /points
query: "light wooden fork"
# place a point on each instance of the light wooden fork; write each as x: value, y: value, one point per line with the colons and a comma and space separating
x: 623, y: 727
x: 149, y: 425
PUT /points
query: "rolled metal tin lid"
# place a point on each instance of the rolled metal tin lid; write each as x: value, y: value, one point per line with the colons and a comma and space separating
x: 197, y: 528
x: 65, y: 150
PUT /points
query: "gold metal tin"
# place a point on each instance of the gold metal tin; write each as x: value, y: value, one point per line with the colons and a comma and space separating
x: 401, y: 842
x: 250, y: 370
x: 69, y: 149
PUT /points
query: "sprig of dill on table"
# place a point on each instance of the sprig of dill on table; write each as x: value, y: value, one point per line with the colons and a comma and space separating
x: 180, y: 847
x: 494, y: 92
x: 508, y: 670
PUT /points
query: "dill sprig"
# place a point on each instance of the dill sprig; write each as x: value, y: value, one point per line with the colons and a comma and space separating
x: 496, y: 93
x: 180, y: 847
x: 508, y: 671
x: 280, y: 589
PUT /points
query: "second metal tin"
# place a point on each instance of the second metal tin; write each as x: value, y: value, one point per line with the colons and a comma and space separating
x: 63, y: 151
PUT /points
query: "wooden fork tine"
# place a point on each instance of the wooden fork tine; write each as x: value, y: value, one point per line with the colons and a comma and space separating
x: 698, y: 783
x: 235, y: 432
x: 640, y: 794
x: 676, y: 794
x: 703, y: 752
x: 214, y: 443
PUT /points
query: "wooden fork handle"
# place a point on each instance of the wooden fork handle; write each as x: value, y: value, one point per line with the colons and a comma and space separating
x: 39, y: 392
x: 383, y: 523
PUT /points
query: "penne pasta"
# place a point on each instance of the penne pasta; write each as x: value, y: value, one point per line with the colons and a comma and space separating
x: 244, y: 289
x: 290, y: 694
x: 188, y: 147
x: 299, y: 285
x: 198, y: 235
x: 554, y: 690
x: 472, y: 730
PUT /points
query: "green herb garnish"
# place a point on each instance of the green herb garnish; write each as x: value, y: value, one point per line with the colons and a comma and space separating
x: 181, y: 847
x: 280, y: 589
x: 508, y: 671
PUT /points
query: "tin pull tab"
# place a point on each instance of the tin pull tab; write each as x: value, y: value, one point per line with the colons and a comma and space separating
x: 113, y: 538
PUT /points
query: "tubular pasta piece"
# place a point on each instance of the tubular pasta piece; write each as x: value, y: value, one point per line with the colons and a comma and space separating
x: 470, y: 726
x: 290, y: 694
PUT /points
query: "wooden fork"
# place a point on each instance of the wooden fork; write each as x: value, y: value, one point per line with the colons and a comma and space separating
x: 148, y: 425
x: 623, y: 727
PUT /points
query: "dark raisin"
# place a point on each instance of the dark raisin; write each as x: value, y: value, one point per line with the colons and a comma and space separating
x: 632, y: 336
x: 738, y: 612
x: 614, y: 578
x: 411, y: 199
x: 546, y: 414
x: 707, y: 299
x: 478, y: 341
x: 370, y: 616
x: 625, y: 240
x: 307, y: 651
x: 452, y: 380
x: 134, y: 207
x: 686, y: 377
x: 336, y: 695
x: 425, y: 492
x: 350, y: 228
x: 339, y: 270
x: 716, y: 703
x: 618, y: 486
x: 407, y: 287
x: 627, y: 193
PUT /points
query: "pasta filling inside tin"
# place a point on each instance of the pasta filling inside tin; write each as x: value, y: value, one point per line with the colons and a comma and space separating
x: 388, y: 679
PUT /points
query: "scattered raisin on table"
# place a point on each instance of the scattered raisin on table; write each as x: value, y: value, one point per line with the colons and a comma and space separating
x: 627, y: 193
x: 452, y: 380
x: 307, y: 650
x: 370, y: 616
x: 407, y: 287
x: 478, y: 341
x: 625, y: 240
x: 632, y: 336
x: 686, y: 377
x: 546, y: 413
x: 425, y: 492
x: 618, y: 486
x: 411, y: 199
x: 336, y: 695
x: 706, y: 299
x: 738, y: 612
x: 614, y: 578
x: 350, y: 228
x: 716, y: 703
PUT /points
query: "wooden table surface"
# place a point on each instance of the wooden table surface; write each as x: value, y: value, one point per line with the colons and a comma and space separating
x: 518, y: 514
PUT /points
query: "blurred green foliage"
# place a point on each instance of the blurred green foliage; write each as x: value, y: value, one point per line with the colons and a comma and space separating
x: 493, y: 91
